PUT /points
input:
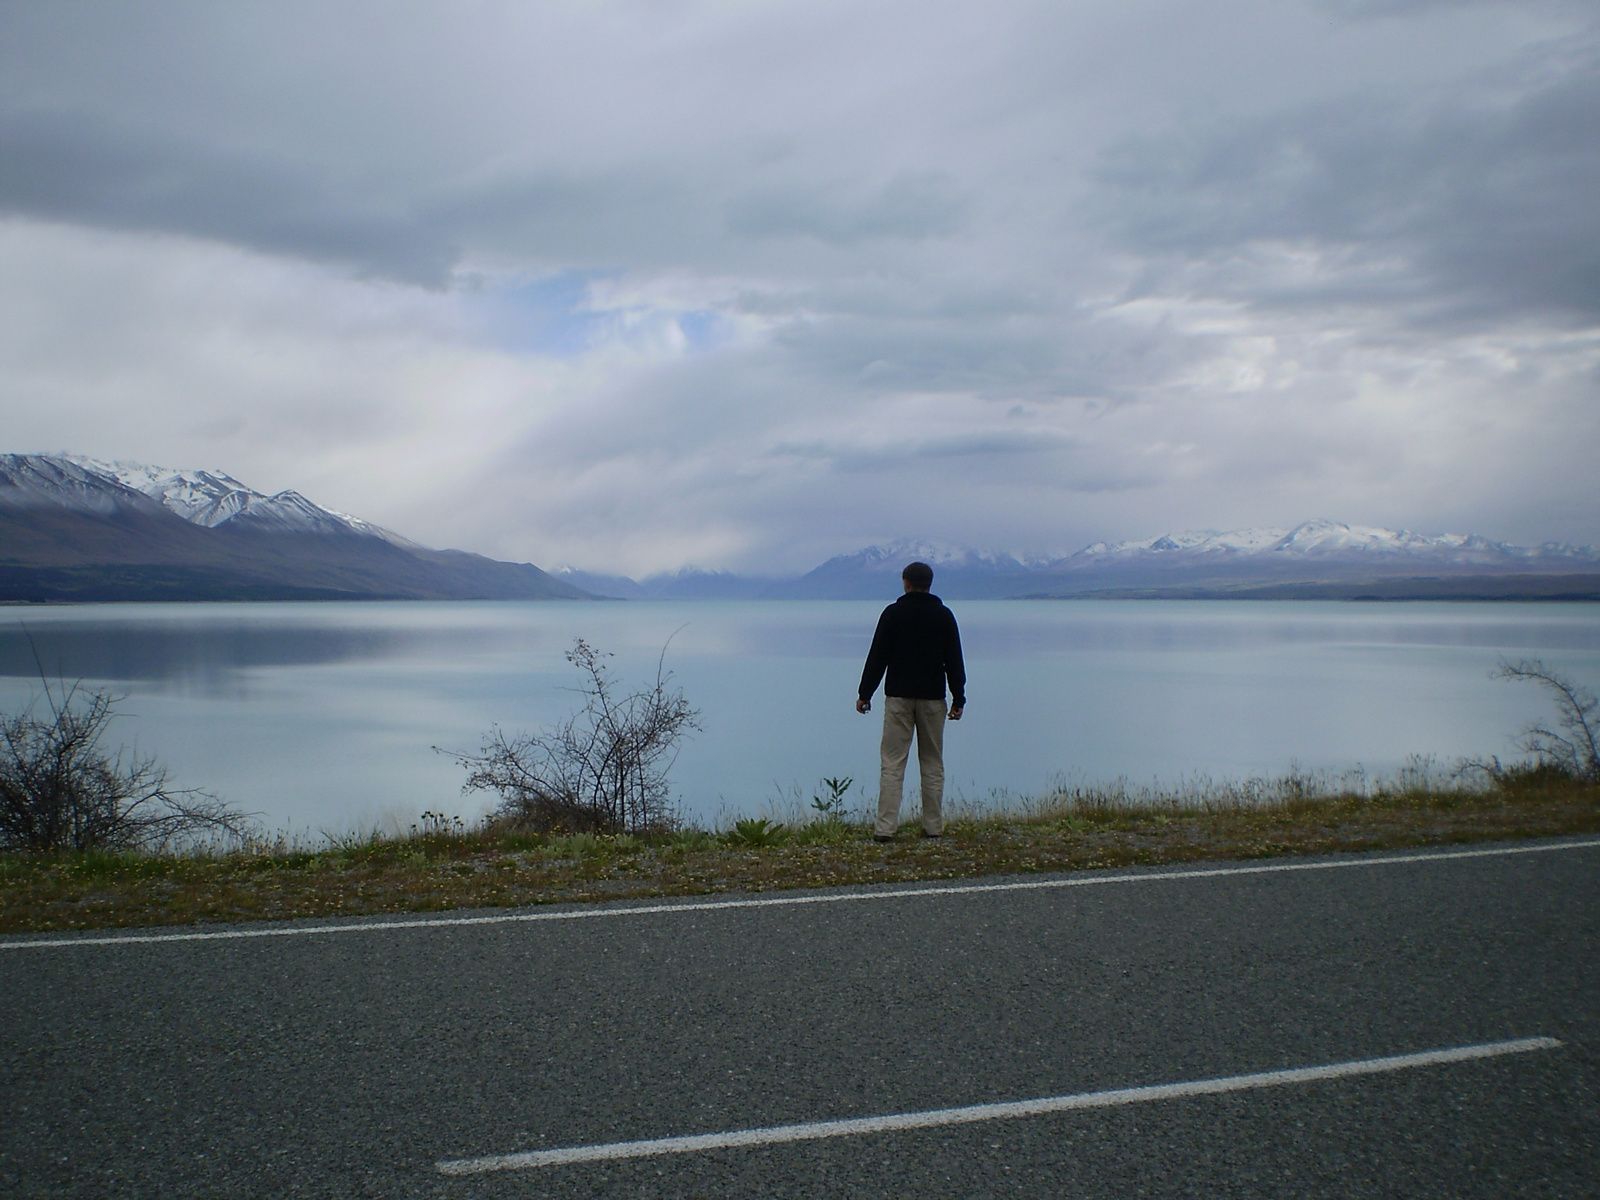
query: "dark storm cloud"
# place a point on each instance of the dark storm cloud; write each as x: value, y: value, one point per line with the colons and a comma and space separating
x: 62, y: 165
x: 1486, y: 199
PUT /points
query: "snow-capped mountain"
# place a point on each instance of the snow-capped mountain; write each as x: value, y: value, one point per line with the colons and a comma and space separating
x: 1319, y: 551
x: 1314, y: 552
x: 688, y: 583
x: 939, y: 554
x: 1324, y: 540
x: 213, y: 498
x: 76, y: 528
x: 73, y: 527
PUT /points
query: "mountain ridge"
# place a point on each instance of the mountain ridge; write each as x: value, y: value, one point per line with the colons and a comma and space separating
x: 1315, y: 552
x: 74, y: 527
x: 77, y: 529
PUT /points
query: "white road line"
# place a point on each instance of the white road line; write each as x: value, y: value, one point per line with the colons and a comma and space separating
x: 964, y: 889
x: 810, y: 1131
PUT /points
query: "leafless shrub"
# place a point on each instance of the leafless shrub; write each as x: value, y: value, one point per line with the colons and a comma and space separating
x: 603, y: 770
x: 60, y: 790
x: 1574, y: 745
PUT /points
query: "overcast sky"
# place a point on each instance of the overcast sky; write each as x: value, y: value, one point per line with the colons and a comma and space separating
x: 746, y: 285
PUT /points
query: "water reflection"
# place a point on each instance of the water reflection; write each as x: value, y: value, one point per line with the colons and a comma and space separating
x: 128, y: 651
x: 207, y: 643
x: 324, y: 715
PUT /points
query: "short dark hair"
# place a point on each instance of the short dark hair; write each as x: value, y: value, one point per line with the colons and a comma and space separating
x: 919, y: 575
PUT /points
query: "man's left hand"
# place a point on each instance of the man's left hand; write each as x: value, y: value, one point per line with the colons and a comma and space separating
x: 955, y: 713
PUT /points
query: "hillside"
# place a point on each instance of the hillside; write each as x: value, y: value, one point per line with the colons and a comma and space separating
x: 78, y: 529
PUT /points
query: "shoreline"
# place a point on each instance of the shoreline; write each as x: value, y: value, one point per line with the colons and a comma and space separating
x: 437, y: 871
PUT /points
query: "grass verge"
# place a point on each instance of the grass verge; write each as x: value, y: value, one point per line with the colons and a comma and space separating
x: 1069, y: 829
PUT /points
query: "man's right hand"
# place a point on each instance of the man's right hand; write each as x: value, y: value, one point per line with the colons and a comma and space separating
x: 863, y: 706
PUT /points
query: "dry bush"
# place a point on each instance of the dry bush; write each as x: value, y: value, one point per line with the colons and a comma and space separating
x: 60, y: 790
x: 603, y: 770
x: 1573, y: 747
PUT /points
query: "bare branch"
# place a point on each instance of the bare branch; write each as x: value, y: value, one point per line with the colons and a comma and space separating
x: 603, y: 770
x: 60, y: 790
x: 1574, y: 746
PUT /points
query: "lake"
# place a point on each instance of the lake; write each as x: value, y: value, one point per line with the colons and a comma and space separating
x: 322, y: 717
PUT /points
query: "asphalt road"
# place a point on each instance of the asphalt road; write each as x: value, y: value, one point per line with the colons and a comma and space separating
x: 353, y: 1064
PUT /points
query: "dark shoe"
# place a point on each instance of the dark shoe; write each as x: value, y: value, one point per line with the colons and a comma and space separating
x: 926, y: 834
x: 883, y: 837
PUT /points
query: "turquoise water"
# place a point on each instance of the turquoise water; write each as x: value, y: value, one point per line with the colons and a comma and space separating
x: 323, y: 716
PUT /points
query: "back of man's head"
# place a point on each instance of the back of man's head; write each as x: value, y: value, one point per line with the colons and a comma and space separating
x: 919, y: 575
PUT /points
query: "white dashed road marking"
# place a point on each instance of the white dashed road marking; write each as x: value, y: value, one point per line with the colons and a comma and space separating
x: 811, y: 1131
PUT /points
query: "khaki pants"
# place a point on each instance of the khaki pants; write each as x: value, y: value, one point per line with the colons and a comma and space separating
x: 900, y: 717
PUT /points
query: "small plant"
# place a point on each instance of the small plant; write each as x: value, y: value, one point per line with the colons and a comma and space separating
x: 686, y: 840
x: 831, y: 806
x: 757, y: 831
x: 1574, y: 746
x: 575, y: 845
x: 436, y: 824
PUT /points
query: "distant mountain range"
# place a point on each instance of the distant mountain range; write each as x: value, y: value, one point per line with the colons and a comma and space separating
x: 74, y: 528
x: 1327, y: 557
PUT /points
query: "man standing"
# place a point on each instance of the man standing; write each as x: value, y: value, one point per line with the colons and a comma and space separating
x: 918, y: 643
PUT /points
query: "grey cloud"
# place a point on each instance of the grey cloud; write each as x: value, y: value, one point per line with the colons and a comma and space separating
x: 62, y: 165
x: 911, y: 205
x: 1370, y: 9
x: 1002, y: 442
x: 1005, y: 353
x: 933, y: 356
x: 1488, y: 205
x: 897, y: 211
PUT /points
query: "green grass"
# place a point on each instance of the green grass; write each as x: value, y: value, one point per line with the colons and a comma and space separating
x: 442, y: 864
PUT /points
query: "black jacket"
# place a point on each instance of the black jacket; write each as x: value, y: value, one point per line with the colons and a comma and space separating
x: 918, y: 643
